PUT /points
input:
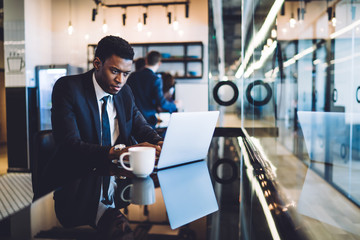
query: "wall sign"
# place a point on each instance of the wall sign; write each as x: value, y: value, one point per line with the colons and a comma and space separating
x: 256, y: 102
x: 216, y: 93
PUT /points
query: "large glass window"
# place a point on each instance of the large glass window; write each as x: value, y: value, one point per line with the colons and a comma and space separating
x: 298, y: 79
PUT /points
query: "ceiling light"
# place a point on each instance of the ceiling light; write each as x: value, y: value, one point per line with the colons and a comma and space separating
x: 316, y: 62
x: 329, y: 11
x: 139, y: 25
x: 273, y: 33
x: 345, y: 29
x: 70, y: 28
x: 333, y: 20
x: 105, y: 27
x: 292, y: 21
x: 259, y: 36
x: 175, y: 24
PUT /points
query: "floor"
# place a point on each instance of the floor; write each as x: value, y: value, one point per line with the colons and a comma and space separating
x: 15, y: 193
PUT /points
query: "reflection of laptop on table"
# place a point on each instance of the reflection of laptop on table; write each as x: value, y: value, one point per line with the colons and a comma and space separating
x: 187, y: 138
x: 187, y: 190
x: 188, y: 193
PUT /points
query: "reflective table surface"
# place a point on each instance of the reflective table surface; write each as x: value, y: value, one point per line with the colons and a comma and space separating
x: 183, y: 202
x: 242, y: 190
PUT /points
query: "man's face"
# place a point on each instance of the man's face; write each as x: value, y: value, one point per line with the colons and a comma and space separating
x: 112, y: 74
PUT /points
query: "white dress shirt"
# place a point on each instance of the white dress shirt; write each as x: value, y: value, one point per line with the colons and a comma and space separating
x: 114, y: 130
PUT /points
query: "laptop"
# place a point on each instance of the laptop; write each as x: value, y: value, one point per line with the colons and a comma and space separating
x: 188, y: 137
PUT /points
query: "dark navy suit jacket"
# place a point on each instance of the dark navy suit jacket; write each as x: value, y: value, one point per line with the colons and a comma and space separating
x: 147, y: 89
x: 77, y: 131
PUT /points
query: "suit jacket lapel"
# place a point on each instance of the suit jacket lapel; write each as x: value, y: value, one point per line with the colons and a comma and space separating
x: 92, y: 102
x: 118, y: 102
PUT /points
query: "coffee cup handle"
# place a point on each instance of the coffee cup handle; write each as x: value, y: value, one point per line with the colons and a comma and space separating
x: 122, y: 161
x: 122, y: 193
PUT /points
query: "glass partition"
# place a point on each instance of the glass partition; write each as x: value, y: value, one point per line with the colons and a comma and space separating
x: 298, y: 76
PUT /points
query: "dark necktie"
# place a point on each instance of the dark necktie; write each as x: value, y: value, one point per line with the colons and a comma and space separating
x: 105, y: 141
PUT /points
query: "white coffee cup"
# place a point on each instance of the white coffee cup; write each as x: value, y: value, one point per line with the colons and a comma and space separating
x: 142, y: 161
x: 142, y: 191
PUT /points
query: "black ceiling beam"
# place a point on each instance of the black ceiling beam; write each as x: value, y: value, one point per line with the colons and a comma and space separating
x: 145, y: 4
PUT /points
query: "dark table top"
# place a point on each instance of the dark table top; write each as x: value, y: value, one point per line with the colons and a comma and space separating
x: 174, y: 203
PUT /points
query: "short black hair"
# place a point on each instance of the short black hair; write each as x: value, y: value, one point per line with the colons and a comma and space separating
x: 153, y: 58
x: 111, y: 45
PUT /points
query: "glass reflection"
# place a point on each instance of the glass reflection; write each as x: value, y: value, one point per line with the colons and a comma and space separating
x: 187, y: 192
x: 330, y: 138
x: 309, y: 56
x: 187, y: 198
x: 142, y: 191
x: 77, y: 204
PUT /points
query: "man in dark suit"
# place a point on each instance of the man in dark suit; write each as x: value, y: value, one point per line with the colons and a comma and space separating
x: 147, y: 88
x: 79, y: 104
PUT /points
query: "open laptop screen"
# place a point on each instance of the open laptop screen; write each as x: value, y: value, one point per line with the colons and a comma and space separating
x: 187, y: 138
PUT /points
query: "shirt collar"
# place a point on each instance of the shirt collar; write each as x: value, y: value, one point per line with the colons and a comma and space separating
x: 150, y: 69
x: 100, y: 93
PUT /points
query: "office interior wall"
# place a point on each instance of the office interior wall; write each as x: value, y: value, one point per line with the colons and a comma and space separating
x: 43, y: 37
x: 14, y: 45
x: 72, y: 49
x: 37, y: 36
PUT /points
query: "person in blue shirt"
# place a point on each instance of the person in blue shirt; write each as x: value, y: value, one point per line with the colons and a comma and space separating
x: 147, y: 88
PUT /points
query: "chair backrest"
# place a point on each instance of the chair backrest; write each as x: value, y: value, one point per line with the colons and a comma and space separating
x: 44, y: 146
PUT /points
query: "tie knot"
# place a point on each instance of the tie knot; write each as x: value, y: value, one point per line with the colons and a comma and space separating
x: 105, y: 98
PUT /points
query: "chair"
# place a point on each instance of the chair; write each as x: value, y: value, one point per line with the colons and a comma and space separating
x: 44, y: 146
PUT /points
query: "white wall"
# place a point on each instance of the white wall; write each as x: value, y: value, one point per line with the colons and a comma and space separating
x: 37, y: 31
x: 37, y: 36
x: 14, y: 44
x: 73, y: 49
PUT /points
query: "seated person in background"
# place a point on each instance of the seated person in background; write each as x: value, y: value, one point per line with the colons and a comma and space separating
x: 139, y: 64
x: 147, y: 88
x: 168, y: 88
x: 168, y: 85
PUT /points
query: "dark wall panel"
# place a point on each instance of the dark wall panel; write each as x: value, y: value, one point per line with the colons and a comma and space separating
x: 17, y: 129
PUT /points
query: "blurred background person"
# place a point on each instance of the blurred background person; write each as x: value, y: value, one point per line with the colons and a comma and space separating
x: 147, y: 88
x: 168, y: 82
x: 139, y: 64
